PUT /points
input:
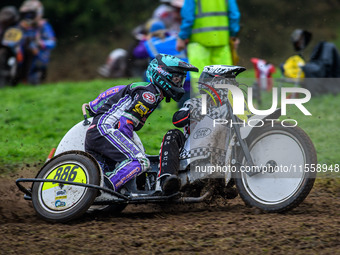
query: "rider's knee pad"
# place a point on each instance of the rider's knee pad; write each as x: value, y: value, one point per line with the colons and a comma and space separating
x: 144, y: 162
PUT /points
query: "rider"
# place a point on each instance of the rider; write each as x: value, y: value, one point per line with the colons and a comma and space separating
x: 173, y: 142
x: 40, y: 39
x: 124, y: 110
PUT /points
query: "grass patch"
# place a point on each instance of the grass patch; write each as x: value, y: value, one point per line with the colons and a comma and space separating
x: 34, y: 119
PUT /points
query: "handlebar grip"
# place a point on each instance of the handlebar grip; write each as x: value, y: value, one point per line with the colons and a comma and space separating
x: 86, y: 121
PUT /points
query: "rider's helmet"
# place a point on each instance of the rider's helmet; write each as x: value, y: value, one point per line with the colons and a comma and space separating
x: 31, y: 11
x: 168, y: 73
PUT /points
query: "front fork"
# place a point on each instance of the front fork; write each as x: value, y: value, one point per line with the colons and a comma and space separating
x: 242, y: 142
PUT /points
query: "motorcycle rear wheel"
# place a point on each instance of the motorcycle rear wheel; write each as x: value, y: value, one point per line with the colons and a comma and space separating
x: 57, y: 202
x: 285, y: 155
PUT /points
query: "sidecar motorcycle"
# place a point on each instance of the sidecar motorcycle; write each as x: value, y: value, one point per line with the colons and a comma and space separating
x: 72, y: 182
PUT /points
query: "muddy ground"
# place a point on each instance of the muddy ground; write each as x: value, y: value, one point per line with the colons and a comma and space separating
x: 218, y: 228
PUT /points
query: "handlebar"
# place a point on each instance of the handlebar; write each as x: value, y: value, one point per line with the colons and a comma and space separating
x: 83, y: 108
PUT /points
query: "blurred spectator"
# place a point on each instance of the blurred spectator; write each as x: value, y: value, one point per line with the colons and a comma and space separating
x: 122, y: 62
x: 208, y: 26
x: 160, y: 41
x: 169, y: 13
x: 9, y: 16
x: 300, y: 40
x: 116, y: 64
x: 324, y: 62
x: 292, y: 67
x: 132, y: 62
x: 40, y: 39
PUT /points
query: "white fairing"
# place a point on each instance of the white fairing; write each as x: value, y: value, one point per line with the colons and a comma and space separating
x: 75, y: 139
x: 206, y: 134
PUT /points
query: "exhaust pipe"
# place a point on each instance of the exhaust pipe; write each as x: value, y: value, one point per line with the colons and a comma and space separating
x: 195, y: 199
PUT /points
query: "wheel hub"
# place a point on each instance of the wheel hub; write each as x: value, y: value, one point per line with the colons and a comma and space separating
x: 271, y: 166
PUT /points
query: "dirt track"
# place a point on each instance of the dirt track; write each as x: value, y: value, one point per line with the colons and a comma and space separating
x: 230, y: 228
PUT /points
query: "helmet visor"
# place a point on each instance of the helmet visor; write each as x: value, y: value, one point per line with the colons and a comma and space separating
x: 178, y: 79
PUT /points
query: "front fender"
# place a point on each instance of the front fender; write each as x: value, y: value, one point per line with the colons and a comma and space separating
x: 255, y: 119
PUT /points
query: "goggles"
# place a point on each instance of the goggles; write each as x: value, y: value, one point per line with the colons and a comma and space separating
x: 178, y: 79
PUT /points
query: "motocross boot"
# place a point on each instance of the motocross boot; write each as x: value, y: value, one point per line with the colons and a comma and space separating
x: 107, y: 183
x: 171, y: 185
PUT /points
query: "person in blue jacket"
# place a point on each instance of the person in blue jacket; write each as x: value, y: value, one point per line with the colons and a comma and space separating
x: 39, y: 36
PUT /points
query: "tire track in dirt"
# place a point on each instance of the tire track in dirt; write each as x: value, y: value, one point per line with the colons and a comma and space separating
x: 218, y: 228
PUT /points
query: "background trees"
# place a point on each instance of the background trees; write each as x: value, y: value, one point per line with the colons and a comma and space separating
x: 89, y: 29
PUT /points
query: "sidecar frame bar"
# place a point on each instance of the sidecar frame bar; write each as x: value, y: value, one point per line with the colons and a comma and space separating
x: 92, y: 186
x: 120, y: 198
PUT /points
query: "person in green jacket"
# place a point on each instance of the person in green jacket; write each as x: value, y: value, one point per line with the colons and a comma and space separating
x: 207, y: 28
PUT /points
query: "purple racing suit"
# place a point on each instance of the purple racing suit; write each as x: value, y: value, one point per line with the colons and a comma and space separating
x: 117, y: 113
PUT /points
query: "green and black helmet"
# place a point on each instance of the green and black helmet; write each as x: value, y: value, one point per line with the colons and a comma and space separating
x: 168, y: 73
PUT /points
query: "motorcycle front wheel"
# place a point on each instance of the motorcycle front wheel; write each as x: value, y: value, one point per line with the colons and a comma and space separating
x: 285, y: 157
x: 58, y: 202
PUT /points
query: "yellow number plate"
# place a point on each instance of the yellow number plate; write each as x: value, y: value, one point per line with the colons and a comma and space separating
x: 67, y: 172
x: 13, y: 35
